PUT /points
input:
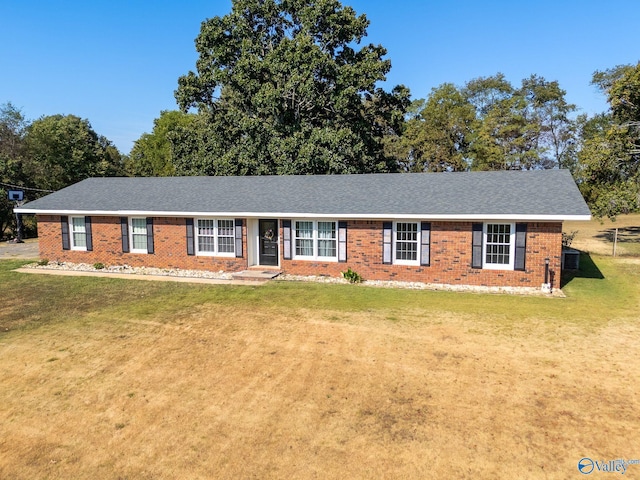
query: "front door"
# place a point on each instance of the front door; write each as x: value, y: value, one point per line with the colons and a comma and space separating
x: 269, y: 242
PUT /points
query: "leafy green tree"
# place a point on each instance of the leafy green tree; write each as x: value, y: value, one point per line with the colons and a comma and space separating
x: 504, y: 138
x: 557, y: 131
x: 12, y: 130
x: 61, y: 150
x: 281, y: 88
x: 152, y: 155
x: 488, y: 125
x: 609, y: 175
x: 436, y: 137
x: 525, y: 128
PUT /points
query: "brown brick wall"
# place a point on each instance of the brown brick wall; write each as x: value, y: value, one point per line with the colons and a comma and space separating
x: 170, y: 246
x: 450, y: 257
x: 450, y: 253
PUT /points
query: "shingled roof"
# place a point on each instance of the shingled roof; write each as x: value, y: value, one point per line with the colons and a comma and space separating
x: 532, y: 195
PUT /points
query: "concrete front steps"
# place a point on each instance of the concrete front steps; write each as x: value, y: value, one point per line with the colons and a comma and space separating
x: 257, y: 274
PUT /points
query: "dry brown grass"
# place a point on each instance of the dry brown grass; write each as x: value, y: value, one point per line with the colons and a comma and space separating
x: 597, y: 236
x: 238, y: 392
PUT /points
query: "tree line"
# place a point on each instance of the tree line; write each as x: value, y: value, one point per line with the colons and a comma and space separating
x: 289, y: 87
x: 48, y: 154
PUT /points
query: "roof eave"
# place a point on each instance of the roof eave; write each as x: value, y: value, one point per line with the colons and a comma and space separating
x: 346, y: 216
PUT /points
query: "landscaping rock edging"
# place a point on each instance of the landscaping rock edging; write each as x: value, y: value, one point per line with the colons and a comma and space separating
x: 221, y: 275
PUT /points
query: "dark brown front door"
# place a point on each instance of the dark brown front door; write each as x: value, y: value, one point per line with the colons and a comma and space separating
x: 269, y: 242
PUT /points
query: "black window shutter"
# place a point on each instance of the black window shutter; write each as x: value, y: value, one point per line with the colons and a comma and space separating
x: 476, y: 254
x: 64, y: 225
x: 238, y: 224
x: 124, y: 229
x: 521, y: 246
x: 286, y: 239
x: 425, y: 243
x: 190, y: 239
x: 342, y: 241
x: 387, y: 234
x: 89, y: 234
x: 149, y: 235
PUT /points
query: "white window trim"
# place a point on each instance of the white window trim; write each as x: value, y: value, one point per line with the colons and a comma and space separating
x: 72, y: 236
x: 131, y: 247
x: 512, y: 247
x: 395, y: 239
x: 216, y: 247
x: 314, y: 239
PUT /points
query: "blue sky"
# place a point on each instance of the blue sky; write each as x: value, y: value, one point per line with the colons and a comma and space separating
x: 117, y: 62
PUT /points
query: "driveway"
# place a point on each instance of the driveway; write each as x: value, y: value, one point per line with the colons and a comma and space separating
x: 28, y: 249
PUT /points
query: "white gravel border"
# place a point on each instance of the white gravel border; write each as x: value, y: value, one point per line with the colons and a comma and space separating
x: 127, y: 269
x: 221, y: 275
x: 426, y: 286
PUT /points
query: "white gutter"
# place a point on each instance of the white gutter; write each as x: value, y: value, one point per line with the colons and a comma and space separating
x: 373, y: 216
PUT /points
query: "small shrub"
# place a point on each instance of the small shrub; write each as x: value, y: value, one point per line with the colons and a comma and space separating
x: 43, y: 262
x: 98, y: 266
x: 567, y: 238
x: 352, y: 276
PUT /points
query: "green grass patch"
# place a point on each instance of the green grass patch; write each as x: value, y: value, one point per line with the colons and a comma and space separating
x: 605, y: 290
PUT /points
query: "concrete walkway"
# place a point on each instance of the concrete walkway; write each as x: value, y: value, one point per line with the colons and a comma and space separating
x: 27, y: 250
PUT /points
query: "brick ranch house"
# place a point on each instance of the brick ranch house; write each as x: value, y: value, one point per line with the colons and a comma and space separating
x: 492, y: 229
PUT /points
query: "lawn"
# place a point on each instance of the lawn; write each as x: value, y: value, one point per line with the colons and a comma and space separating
x: 597, y: 236
x: 106, y: 378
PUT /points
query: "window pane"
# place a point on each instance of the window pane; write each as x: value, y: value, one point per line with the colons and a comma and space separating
x: 304, y: 247
x: 225, y: 228
x: 206, y: 235
x: 407, y: 241
x: 79, y: 240
x: 304, y: 229
x: 226, y: 236
x: 139, y: 225
x: 327, y: 243
x: 79, y: 230
x: 226, y: 245
x: 206, y: 244
x: 498, y: 244
x: 326, y: 248
x: 205, y: 227
x: 78, y: 225
x: 326, y: 230
x: 139, y: 233
x: 304, y: 239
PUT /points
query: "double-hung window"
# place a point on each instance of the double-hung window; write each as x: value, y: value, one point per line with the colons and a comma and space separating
x: 138, y: 229
x: 316, y: 240
x: 327, y: 239
x: 406, y: 242
x: 499, y: 246
x: 78, y: 233
x: 215, y: 237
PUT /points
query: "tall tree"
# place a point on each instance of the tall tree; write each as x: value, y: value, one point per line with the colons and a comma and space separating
x: 62, y: 150
x: 12, y: 130
x: 152, y: 155
x: 610, y: 154
x: 488, y: 125
x: 523, y: 128
x: 281, y: 89
x: 557, y: 131
x: 437, y: 135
